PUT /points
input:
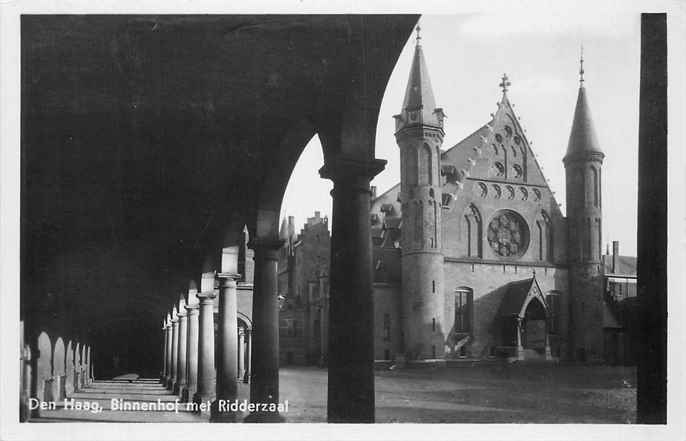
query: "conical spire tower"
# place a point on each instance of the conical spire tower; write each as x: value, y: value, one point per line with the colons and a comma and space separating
x: 419, y: 105
x: 583, y: 169
x: 582, y: 139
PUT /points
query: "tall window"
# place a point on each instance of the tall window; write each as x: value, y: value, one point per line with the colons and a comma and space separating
x: 540, y: 240
x: 463, y: 310
x: 596, y: 187
x: 425, y: 163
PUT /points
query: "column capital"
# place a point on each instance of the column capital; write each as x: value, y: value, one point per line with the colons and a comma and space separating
x: 191, y: 308
x: 181, y: 314
x: 206, y: 295
x: 175, y: 319
x: 345, y: 167
x: 227, y: 277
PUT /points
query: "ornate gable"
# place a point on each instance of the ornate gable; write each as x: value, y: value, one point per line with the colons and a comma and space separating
x: 496, y: 160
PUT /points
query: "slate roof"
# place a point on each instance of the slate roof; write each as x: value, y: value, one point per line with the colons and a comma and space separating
x: 582, y: 138
x: 514, y: 297
x: 626, y: 265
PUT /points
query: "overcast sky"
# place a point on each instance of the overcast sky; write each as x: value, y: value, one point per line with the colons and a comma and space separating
x: 466, y: 57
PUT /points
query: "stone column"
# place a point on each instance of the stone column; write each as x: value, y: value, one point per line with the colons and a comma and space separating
x: 248, y: 359
x: 24, y: 408
x: 183, y: 348
x: 87, y: 366
x: 77, y: 368
x: 165, y: 337
x: 351, y: 307
x: 167, y: 375
x: 548, y: 352
x: 518, y: 331
x: 241, y: 353
x: 175, y: 349
x: 264, y: 378
x: 206, y: 373
x: 192, y: 352
x: 227, y: 388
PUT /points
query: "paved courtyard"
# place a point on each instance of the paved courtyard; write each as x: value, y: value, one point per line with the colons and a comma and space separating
x: 482, y: 394
x: 467, y: 394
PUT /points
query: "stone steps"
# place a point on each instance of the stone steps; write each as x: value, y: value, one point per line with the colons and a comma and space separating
x: 94, y: 403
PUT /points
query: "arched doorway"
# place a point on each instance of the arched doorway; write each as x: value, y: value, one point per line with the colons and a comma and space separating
x: 534, y: 329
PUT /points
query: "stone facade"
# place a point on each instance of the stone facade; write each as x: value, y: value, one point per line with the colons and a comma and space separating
x: 472, y: 255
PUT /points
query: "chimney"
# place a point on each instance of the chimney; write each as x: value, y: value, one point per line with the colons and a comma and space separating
x: 615, y: 255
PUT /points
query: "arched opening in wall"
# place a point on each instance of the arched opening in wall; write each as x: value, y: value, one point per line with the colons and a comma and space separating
x: 596, y: 187
x: 533, y: 328
x: 548, y: 236
x: 539, y: 230
x: 463, y: 320
x: 473, y: 232
x: 425, y: 164
x: 244, y: 348
x: 468, y: 235
x: 305, y: 180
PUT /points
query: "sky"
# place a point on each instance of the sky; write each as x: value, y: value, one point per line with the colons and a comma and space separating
x: 467, y: 55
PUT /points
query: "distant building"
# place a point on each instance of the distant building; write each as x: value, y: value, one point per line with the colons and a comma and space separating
x: 472, y: 256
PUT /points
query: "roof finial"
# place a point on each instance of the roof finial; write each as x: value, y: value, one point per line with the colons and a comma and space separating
x: 419, y: 37
x: 581, y: 67
x: 505, y: 83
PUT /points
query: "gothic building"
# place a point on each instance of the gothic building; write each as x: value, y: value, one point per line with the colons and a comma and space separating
x: 472, y: 256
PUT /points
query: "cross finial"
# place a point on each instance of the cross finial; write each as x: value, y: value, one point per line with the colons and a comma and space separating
x: 419, y: 37
x: 505, y: 83
x: 581, y: 66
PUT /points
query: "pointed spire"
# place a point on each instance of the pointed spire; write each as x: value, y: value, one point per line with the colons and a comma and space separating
x: 582, y: 138
x: 505, y: 83
x: 581, y: 67
x: 419, y: 105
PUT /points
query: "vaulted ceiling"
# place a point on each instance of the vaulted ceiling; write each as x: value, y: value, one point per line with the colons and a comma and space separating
x: 145, y: 137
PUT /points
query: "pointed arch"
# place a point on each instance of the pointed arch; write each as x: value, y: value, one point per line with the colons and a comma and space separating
x: 547, y: 236
x: 425, y: 177
x: 596, y: 186
x: 473, y: 232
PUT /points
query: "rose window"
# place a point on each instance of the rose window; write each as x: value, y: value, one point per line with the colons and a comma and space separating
x: 508, y: 234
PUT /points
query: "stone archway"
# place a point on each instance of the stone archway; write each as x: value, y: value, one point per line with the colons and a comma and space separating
x: 534, y: 329
x: 244, y: 347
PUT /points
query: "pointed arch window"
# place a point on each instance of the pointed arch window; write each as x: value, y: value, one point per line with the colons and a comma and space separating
x: 425, y: 165
x: 596, y: 187
x: 539, y: 230
x: 473, y: 232
x: 546, y: 247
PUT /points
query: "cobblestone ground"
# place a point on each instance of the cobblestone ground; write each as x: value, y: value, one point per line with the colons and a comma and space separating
x: 468, y: 394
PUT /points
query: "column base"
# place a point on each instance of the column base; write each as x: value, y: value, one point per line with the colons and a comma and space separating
x: 223, y: 415
x: 246, y: 377
x: 264, y: 417
x: 203, y: 398
x: 187, y: 394
x: 178, y: 388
